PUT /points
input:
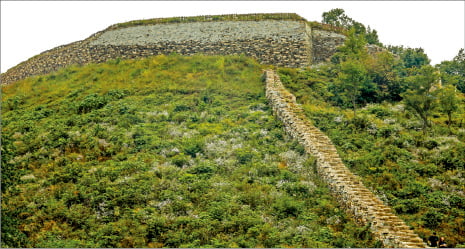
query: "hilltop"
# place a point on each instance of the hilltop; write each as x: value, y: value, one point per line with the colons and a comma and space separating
x: 157, y: 133
x: 282, y: 39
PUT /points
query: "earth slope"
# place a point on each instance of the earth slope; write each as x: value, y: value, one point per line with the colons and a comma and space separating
x: 165, y: 151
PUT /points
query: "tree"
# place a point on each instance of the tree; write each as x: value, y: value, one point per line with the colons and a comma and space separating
x: 338, y: 18
x: 372, y: 36
x: 411, y: 57
x: 352, y: 79
x: 353, y: 48
x: 453, y: 72
x: 352, y: 76
x: 421, y: 98
x: 448, y: 102
x: 383, y: 69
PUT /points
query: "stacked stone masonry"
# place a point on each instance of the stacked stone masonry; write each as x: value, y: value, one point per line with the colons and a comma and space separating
x: 325, y: 44
x: 287, y: 43
x: 365, y: 207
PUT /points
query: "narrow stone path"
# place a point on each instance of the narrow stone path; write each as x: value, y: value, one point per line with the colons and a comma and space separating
x: 366, y: 207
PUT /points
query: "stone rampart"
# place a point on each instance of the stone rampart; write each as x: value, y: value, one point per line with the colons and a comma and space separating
x: 365, y: 207
x: 277, y: 42
x: 325, y: 44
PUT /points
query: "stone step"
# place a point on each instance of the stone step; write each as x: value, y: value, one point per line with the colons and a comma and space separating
x: 351, y: 191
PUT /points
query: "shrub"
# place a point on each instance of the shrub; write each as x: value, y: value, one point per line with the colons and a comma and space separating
x: 180, y: 160
x: 427, y: 170
x: 453, y: 158
x: 203, y: 169
x: 287, y: 207
x: 457, y: 201
x: 408, y: 206
x: 91, y: 102
x: 14, y: 103
x: 361, y: 122
x: 431, y: 219
x: 245, y: 156
x: 193, y: 147
x: 379, y: 111
x: 431, y: 144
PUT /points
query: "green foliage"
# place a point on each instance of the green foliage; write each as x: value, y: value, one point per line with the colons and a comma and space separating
x: 385, y: 71
x: 418, y: 175
x: 411, y: 57
x: 286, y: 207
x: 167, y: 151
x: 421, y: 98
x: 432, y: 219
x: 338, y: 18
x: 352, y: 80
x: 453, y: 72
x: 448, y: 102
x: 353, y: 48
x: 453, y: 158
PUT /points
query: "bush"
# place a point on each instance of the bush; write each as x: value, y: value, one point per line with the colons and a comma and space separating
x: 287, y: 207
x: 426, y: 170
x: 379, y: 111
x: 245, y: 156
x: 361, y: 122
x: 453, y: 158
x: 203, y: 169
x: 408, y: 206
x: 193, y: 147
x: 91, y: 102
x: 180, y: 160
x: 431, y: 219
x: 430, y: 144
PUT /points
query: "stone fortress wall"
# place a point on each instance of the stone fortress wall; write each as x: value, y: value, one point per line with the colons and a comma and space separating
x: 285, y: 42
x: 365, y: 207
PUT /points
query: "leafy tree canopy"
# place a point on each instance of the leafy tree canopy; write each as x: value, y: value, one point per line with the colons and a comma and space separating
x: 421, y: 98
x: 411, y: 57
x: 453, y: 72
x: 338, y: 18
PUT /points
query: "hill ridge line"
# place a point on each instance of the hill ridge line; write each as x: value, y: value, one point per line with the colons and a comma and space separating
x: 366, y: 208
x: 286, y: 40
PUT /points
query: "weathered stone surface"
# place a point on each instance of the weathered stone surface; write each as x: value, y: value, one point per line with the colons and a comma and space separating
x: 365, y: 207
x: 325, y: 44
x: 203, y: 32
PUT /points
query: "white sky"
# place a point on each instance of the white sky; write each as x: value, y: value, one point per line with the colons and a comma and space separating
x: 31, y: 27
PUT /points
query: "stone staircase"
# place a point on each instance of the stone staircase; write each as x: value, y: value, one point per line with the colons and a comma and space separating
x: 348, y: 188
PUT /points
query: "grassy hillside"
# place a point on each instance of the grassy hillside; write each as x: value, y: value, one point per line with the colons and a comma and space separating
x: 420, y: 176
x: 167, y: 151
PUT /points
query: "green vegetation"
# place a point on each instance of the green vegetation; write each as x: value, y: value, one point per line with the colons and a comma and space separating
x: 173, y: 151
x: 410, y: 57
x: 167, y: 151
x: 421, y: 99
x: 338, y: 18
x: 454, y: 71
x: 407, y: 141
x: 327, y: 27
